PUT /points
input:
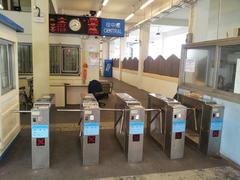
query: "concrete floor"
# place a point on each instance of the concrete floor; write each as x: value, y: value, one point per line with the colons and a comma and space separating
x: 66, y: 160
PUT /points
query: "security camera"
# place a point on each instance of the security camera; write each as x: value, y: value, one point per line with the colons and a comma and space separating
x: 93, y: 13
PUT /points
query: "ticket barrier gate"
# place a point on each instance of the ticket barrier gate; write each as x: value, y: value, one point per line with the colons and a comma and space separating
x: 40, y: 131
x: 89, y: 130
x: 167, y: 126
x: 129, y: 126
x: 204, y: 123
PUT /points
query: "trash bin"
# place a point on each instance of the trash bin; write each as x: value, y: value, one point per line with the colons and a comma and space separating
x: 108, y: 68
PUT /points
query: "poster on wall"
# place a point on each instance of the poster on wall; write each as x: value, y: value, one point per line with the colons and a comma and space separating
x: 93, y: 58
x: 112, y: 27
x: 190, y: 65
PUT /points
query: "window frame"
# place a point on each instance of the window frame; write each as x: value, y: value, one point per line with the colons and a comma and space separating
x: 212, y: 91
x: 11, y: 67
x: 62, y: 72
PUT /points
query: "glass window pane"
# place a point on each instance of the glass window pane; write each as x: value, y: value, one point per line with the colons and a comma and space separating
x: 70, y: 59
x: 55, y: 59
x: 199, y: 66
x: 6, y: 69
x: 24, y: 58
x: 229, y: 70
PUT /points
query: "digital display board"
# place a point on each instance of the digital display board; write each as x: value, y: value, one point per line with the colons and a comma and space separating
x: 84, y: 25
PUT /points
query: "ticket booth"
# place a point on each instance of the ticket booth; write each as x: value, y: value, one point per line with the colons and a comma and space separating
x: 9, y: 121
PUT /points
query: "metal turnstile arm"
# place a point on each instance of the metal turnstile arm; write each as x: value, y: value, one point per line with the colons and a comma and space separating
x: 19, y: 111
x: 122, y: 119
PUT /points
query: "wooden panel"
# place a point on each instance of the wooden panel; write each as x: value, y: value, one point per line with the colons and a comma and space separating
x: 131, y: 64
x: 165, y: 67
x: 115, y: 62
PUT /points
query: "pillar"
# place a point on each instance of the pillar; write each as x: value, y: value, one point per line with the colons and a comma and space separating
x: 122, y: 54
x: 40, y: 48
x: 143, y: 53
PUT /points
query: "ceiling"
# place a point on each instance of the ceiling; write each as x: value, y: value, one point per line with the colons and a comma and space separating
x: 116, y: 9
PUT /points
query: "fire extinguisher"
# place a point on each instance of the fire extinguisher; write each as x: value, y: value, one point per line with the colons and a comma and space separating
x: 84, y: 72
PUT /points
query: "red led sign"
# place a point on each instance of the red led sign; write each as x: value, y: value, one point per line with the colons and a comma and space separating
x: 40, y: 142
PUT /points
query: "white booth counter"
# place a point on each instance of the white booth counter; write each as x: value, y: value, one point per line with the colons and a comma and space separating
x: 9, y: 98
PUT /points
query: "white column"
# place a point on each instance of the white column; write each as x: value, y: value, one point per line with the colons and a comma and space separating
x: 143, y: 53
x: 122, y: 54
x: 40, y: 49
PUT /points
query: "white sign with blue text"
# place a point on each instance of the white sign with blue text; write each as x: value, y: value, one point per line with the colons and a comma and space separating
x: 112, y: 27
x: 136, y: 128
x: 40, y: 131
x: 91, y: 128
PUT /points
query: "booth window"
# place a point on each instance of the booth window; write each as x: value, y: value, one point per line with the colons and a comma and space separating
x: 64, y: 60
x: 228, y: 77
x: 6, y: 67
x: 25, y: 59
x: 199, y: 66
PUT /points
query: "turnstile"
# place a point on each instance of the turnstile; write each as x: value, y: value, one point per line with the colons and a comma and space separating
x: 40, y: 117
x: 89, y: 130
x: 167, y: 126
x: 204, y: 123
x: 129, y: 126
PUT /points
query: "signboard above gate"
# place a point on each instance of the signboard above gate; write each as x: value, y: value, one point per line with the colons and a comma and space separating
x: 112, y: 27
x: 82, y: 25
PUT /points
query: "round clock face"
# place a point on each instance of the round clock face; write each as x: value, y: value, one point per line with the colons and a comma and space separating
x: 75, y: 25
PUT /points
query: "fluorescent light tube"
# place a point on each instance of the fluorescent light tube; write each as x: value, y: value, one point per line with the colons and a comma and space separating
x: 99, y: 13
x: 105, y: 2
x: 146, y: 4
x: 129, y: 17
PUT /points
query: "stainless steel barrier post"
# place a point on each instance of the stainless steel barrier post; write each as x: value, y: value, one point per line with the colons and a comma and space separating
x: 40, y: 132
x: 129, y: 127
x: 90, y: 130
x: 167, y: 127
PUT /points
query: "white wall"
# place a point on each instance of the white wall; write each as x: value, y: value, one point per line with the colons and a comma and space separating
x: 154, y: 83
x: 130, y: 77
x: 24, y: 19
x: 116, y: 73
x: 167, y: 86
x: 85, y: 43
x: 215, y: 19
x: 9, y: 121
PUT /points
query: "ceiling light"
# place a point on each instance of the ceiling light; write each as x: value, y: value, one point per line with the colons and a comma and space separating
x: 105, y: 2
x: 129, y: 17
x: 146, y: 4
x: 1, y: 6
x: 99, y: 13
